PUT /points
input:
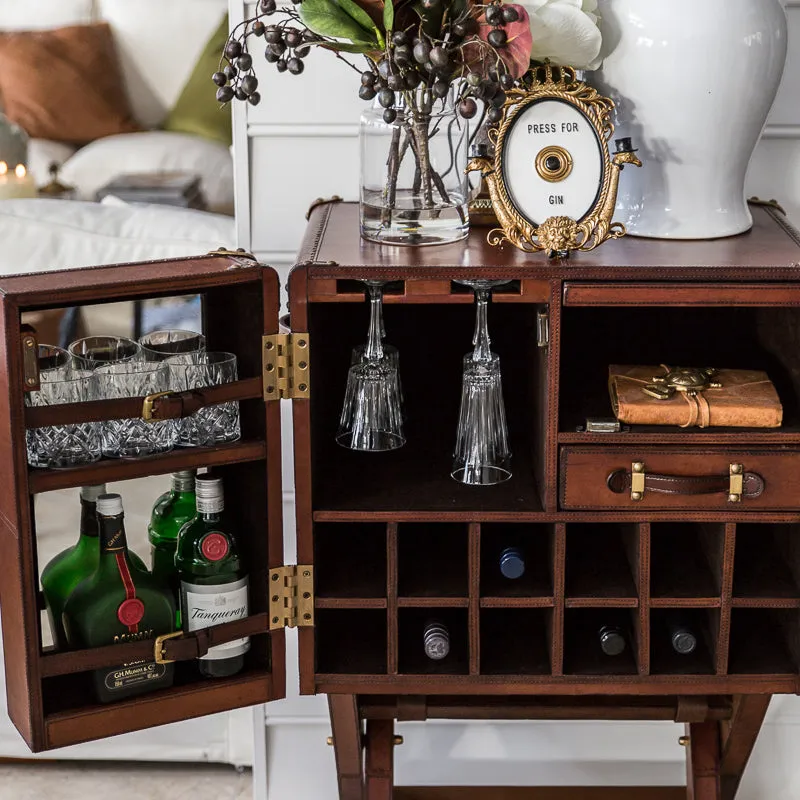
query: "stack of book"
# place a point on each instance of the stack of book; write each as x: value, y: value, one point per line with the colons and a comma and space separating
x: 164, y: 188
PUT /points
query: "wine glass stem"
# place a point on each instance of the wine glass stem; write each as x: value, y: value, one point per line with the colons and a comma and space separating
x: 374, y: 351
x: 483, y: 345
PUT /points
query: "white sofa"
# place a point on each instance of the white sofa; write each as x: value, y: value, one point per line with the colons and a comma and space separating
x: 159, y: 42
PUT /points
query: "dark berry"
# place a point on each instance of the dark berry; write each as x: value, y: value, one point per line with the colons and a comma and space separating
x: 396, y: 82
x: 413, y: 79
x: 386, y: 98
x: 459, y: 29
x: 385, y: 68
x: 278, y: 47
x: 233, y: 50
x: 430, y: 3
x: 368, y: 78
x: 473, y: 79
x: 506, y: 80
x: 219, y: 78
x: 268, y: 6
x: 468, y: 108
x: 402, y: 55
x: 441, y: 88
x: 494, y: 15
x: 225, y: 94
x: 295, y: 65
x: 439, y: 58
x: 303, y: 51
x: 280, y: 65
x: 366, y: 93
x: 244, y: 62
x: 510, y: 14
x: 293, y: 38
x: 230, y: 72
x: 272, y: 33
x: 270, y: 56
x: 497, y: 38
x: 240, y: 94
x: 254, y: 99
x: 494, y: 114
x: 399, y: 38
x: 259, y: 27
x: 249, y: 84
x: 389, y: 116
x: 422, y: 52
x: 499, y: 99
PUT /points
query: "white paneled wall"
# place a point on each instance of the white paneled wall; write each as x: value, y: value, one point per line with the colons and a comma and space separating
x: 302, y: 143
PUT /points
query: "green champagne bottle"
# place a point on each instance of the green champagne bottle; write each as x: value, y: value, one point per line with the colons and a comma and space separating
x: 120, y: 602
x: 170, y: 513
x: 213, y: 582
x: 64, y: 572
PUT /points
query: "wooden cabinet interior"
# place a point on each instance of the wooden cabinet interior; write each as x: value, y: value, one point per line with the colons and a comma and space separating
x: 50, y: 700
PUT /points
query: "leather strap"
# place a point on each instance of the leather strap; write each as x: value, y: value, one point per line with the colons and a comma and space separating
x: 185, y: 647
x: 172, y: 406
x: 619, y: 482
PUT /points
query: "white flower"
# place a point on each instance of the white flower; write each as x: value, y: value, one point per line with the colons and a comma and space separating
x: 565, y: 31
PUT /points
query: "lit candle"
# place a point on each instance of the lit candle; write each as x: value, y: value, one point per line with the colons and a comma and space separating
x: 17, y: 184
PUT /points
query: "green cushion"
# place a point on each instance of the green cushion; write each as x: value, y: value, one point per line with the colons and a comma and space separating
x: 197, y: 110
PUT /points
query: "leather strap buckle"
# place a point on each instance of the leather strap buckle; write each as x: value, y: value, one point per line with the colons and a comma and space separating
x: 638, y: 479
x: 159, y: 651
x: 148, y: 406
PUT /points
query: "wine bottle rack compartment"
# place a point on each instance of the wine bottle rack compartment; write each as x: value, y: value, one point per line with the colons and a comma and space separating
x: 642, y: 578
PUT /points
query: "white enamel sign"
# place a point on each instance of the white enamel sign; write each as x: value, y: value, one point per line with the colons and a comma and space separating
x: 545, y: 127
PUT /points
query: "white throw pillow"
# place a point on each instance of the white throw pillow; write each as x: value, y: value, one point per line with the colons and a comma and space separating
x: 34, y: 15
x: 42, y: 153
x: 95, y: 165
x: 159, y: 42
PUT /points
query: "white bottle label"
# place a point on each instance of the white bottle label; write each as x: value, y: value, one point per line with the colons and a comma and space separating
x: 205, y: 606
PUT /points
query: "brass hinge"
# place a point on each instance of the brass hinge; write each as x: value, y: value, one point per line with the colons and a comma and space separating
x: 291, y: 597
x: 285, y: 362
x: 543, y: 328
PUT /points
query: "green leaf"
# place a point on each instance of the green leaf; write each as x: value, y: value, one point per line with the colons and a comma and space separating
x: 355, y: 12
x: 328, y: 18
x: 388, y: 16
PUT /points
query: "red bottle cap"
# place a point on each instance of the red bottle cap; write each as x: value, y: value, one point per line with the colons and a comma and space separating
x: 130, y: 612
x: 214, y: 546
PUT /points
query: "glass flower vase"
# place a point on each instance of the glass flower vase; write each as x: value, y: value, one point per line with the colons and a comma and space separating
x: 414, y: 188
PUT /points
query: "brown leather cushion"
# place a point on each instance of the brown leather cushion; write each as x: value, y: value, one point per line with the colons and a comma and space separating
x: 64, y: 84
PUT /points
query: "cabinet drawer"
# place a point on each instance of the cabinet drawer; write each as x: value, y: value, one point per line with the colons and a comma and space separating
x: 679, y: 478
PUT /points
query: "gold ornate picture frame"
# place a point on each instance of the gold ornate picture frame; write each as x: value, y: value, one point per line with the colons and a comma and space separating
x: 551, y: 154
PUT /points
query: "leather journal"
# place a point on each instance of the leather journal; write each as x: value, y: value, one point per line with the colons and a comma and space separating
x: 694, y: 397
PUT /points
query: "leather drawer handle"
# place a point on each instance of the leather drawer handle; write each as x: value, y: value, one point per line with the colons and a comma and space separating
x: 621, y: 481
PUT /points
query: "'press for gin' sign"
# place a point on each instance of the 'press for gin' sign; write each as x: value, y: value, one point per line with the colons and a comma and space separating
x: 553, y: 162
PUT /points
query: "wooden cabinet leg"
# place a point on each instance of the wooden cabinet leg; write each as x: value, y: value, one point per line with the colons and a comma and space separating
x: 379, y: 759
x: 703, y: 761
x: 347, y: 745
x: 739, y: 738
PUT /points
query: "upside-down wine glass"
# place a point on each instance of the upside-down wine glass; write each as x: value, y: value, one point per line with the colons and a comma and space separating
x: 482, y: 456
x: 372, y: 418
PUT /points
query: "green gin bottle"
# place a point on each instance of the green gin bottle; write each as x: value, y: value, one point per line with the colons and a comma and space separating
x: 64, y: 572
x: 120, y: 602
x: 170, y: 513
x: 213, y: 582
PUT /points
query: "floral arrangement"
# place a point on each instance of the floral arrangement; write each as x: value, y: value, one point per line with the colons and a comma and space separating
x: 416, y: 53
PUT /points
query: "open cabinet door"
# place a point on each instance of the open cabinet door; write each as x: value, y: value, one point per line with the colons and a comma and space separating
x: 50, y: 699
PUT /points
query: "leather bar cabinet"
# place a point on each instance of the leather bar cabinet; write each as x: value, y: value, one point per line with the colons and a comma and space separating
x: 613, y: 524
